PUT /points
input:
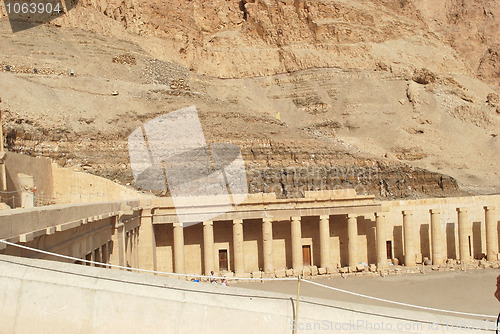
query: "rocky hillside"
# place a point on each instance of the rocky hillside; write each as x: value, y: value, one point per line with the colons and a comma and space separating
x: 394, y: 98
x: 229, y: 38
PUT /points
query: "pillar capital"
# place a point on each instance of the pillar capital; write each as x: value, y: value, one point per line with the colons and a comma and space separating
x: 464, y: 210
x: 237, y: 221
x: 296, y: 218
x: 352, y: 215
x: 380, y: 214
x: 267, y: 220
x: 324, y: 217
x: 489, y: 207
x: 177, y: 225
x: 407, y: 212
x: 147, y: 212
x: 208, y: 223
x: 434, y: 211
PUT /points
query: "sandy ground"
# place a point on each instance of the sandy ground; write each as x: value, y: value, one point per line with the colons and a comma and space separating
x: 470, y: 291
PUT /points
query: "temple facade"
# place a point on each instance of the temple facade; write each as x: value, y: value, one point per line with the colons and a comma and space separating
x: 318, y: 234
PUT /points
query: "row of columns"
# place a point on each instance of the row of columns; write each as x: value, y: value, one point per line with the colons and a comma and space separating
x: 410, y: 236
x: 267, y: 244
x: 438, y: 236
x: 100, y: 254
x: 127, y: 240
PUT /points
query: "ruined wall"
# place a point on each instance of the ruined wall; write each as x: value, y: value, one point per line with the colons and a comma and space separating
x: 41, y: 170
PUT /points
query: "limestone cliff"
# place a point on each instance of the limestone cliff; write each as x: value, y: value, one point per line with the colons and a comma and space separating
x: 397, y: 97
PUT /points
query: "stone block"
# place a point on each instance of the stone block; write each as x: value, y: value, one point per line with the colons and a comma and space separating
x: 373, y: 268
x: 306, y: 271
x: 418, y: 258
x: 360, y: 267
x: 289, y: 272
x: 280, y: 273
x: 352, y: 269
x: 256, y: 274
x: 344, y: 270
x: 321, y: 271
x: 243, y: 275
x: 314, y: 270
x: 332, y: 270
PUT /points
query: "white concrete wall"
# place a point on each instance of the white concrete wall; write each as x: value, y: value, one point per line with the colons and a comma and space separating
x: 50, y: 297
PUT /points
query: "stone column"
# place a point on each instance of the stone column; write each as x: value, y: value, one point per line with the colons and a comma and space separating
x: 491, y: 233
x: 131, y: 259
x: 105, y: 254
x: 438, y: 238
x: 147, y: 240
x: 120, y: 239
x: 208, y: 246
x: 179, y: 248
x: 324, y: 241
x: 267, y: 245
x: 297, y: 260
x: 352, y: 240
x: 136, y: 247
x: 409, y: 238
x: 116, y: 246
x: 464, y: 231
x: 127, y: 246
x: 98, y: 256
x: 380, y: 240
x: 239, y: 265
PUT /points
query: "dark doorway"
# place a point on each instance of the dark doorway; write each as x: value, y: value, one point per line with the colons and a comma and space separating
x: 388, y: 246
x: 450, y: 241
x: 470, y: 247
x: 306, y: 255
x: 223, y: 259
x: 477, y: 248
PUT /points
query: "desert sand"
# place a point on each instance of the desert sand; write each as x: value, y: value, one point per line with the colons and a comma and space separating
x: 462, y: 291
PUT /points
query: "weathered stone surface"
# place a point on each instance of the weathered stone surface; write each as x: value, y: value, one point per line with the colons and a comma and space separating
x: 314, y: 271
x: 256, y: 274
x: 280, y: 273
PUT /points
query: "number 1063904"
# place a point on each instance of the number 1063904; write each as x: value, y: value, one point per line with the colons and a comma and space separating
x: 33, y: 8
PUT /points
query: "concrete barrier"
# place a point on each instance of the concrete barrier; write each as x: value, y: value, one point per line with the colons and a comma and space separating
x: 51, y: 297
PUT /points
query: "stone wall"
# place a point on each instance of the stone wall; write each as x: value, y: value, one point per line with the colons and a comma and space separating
x: 77, y: 187
x: 38, y: 167
x: 45, y: 296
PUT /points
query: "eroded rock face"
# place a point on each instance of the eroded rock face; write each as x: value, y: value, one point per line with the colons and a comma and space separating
x: 239, y: 38
x: 329, y: 87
